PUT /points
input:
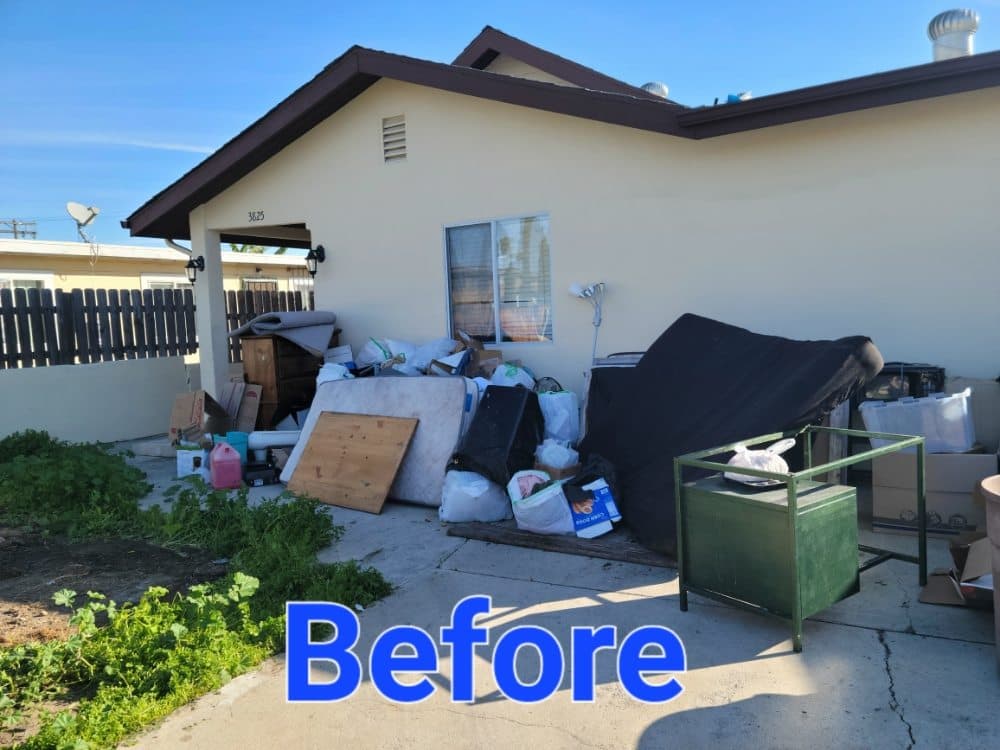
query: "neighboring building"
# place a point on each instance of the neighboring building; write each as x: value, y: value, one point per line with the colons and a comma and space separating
x: 77, y: 265
x: 473, y: 194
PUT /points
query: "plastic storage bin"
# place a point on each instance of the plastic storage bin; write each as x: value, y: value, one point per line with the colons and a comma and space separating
x: 944, y: 420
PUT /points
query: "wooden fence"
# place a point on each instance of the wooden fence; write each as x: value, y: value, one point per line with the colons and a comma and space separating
x: 40, y: 327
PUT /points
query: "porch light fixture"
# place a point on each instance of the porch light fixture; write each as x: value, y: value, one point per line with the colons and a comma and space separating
x: 314, y: 258
x: 193, y: 266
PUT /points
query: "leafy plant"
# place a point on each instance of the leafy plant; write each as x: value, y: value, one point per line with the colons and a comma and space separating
x: 276, y: 541
x: 82, y: 490
x: 28, y: 443
x: 149, y: 659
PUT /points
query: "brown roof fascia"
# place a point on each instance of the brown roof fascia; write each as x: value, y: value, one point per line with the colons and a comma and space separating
x: 877, y: 90
x: 492, y: 42
x: 166, y: 214
x: 618, y: 109
x: 334, y: 86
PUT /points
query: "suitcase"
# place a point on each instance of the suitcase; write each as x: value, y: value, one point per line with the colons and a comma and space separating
x: 506, y: 429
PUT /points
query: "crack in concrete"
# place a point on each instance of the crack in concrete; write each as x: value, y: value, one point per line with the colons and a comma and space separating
x: 894, y: 705
x: 446, y: 557
x: 906, y: 603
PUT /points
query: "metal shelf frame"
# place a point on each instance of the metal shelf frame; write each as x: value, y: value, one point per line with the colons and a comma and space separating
x: 700, y: 460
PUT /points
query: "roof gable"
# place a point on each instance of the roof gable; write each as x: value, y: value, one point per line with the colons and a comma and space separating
x: 491, y: 42
x: 166, y: 214
x: 598, y: 97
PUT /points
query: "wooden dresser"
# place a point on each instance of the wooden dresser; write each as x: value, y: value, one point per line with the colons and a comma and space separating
x: 286, y: 372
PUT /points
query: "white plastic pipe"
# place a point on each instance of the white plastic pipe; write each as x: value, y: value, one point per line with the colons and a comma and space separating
x: 272, y: 439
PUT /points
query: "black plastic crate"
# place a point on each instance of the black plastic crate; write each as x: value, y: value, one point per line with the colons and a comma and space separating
x: 901, y: 379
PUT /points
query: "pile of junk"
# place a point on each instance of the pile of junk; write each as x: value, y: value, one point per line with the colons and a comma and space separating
x: 454, y: 425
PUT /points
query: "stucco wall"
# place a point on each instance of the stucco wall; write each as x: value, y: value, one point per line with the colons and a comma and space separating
x: 880, y: 222
x: 108, y: 401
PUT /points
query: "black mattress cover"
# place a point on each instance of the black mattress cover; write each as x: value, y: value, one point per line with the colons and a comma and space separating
x: 705, y: 383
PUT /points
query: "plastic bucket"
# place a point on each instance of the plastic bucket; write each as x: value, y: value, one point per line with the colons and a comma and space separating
x: 991, y: 492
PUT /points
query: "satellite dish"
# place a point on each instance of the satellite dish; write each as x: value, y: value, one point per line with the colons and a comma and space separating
x: 81, y: 214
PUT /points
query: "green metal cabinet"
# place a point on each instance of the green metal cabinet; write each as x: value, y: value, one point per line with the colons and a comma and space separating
x: 790, y: 551
x: 738, y: 544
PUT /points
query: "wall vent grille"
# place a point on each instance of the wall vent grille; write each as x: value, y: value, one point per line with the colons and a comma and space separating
x: 394, y: 138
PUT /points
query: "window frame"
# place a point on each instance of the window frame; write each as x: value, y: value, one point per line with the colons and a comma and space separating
x: 145, y: 279
x: 258, y: 279
x: 497, y: 327
x: 46, y: 277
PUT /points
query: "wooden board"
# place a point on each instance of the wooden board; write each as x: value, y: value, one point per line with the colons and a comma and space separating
x: 351, y: 460
x: 617, y: 545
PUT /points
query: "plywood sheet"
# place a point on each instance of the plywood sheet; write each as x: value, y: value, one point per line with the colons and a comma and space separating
x: 442, y: 404
x: 351, y: 460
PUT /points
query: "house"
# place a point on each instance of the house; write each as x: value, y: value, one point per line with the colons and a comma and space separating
x: 77, y: 265
x: 472, y: 194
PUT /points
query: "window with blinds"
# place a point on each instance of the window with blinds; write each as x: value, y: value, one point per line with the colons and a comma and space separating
x: 499, y: 279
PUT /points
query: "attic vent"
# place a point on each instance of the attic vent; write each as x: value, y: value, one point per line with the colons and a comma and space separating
x: 394, y: 138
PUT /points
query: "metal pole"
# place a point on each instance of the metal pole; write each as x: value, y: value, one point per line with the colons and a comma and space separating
x: 793, y: 548
x: 921, y: 514
x: 679, y: 519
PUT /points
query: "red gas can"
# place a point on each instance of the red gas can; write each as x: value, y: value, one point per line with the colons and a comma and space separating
x: 227, y: 471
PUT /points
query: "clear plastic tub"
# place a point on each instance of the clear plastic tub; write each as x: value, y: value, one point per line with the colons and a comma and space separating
x: 943, y: 420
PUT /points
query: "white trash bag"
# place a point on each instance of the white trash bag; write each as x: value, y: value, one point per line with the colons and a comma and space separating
x: 402, y: 351
x: 543, y: 512
x: 432, y: 350
x: 768, y: 459
x: 508, y: 374
x: 555, y: 454
x: 331, y: 372
x: 372, y: 353
x: 468, y: 496
x: 561, y: 411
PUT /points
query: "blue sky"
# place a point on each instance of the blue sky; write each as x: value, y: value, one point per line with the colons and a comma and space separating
x: 106, y: 103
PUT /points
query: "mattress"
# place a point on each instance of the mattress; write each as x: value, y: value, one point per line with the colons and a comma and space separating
x: 443, y: 406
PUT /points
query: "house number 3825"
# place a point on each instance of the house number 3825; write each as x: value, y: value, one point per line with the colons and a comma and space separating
x: 256, y: 215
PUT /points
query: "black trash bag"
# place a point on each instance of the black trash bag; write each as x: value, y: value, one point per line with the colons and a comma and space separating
x: 594, y: 468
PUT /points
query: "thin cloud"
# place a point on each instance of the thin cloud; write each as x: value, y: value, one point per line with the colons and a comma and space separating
x: 36, y: 138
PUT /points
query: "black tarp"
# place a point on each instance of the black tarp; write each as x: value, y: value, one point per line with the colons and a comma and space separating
x: 704, y: 383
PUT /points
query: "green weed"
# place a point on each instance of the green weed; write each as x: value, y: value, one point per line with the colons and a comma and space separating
x: 154, y: 656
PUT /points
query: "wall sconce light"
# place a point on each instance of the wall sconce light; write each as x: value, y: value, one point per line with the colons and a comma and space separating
x: 315, y: 256
x: 193, y: 266
x: 594, y: 293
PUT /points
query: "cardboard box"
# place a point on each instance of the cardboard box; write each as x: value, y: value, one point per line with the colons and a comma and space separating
x: 482, y: 361
x: 951, y: 481
x: 569, y: 471
x: 969, y: 583
x: 232, y: 396
x: 194, y: 414
x: 246, y: 417
x: 340, y: 355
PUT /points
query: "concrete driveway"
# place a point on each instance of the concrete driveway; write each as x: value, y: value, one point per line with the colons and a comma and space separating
x: 879, y: 669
